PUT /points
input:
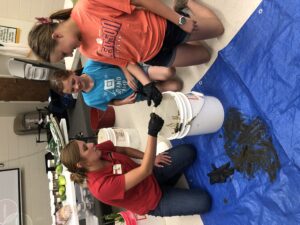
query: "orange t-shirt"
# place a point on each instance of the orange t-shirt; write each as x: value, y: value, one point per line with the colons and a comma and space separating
x: 116, y: 32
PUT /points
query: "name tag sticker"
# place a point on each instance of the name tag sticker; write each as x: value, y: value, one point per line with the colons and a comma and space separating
x: 117, y: 169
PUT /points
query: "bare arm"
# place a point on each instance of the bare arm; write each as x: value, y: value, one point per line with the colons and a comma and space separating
x: 138, y: 73
x: 160, y: 159
x: 159, y: 8
x: 131, y: 152
x: 129, y: 100
x: 138, y: 174
x: 149, y: 89
x: 130, y: 79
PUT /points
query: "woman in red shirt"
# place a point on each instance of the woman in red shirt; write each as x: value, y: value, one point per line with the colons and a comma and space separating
x: 115, y: 179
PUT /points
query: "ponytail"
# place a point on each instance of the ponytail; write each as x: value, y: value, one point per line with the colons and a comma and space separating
x: 78, y: 178
x: 61, y: 15
x: 40, y: 37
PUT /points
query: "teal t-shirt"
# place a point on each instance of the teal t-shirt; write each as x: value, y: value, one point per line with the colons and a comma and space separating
x: 109, y: 83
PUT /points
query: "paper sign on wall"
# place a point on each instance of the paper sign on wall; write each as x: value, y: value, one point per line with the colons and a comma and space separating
x: 9, y: 34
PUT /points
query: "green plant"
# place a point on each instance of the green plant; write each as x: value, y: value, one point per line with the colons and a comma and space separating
x: 113, y: 217
x: 74, y: 1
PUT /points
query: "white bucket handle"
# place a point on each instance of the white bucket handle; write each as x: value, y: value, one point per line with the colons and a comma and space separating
x: 199, y: 94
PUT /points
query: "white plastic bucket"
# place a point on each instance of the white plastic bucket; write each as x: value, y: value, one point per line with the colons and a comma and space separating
x: 162, y: 146
x: 126, y: 137
x: 189, y: 114
x: 169, y: 111
x: 105, y: 134
x: 210, y: 117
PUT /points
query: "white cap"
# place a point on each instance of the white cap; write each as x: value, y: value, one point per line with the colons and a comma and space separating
x: 16, y: 68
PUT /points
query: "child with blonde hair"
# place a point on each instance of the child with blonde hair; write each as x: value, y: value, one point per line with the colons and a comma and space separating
x: 125, y: 32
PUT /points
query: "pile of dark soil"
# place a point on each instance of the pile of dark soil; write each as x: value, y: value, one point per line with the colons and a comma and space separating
x: 249, y: 145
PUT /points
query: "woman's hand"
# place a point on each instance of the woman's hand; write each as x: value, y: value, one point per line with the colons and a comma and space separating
x: 189, y: 26
x: 162, y: 159
x: 136, y: 175
x: 155, y: 124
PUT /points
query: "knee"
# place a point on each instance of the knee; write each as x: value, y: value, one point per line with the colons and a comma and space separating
x: 178, y: 84
x: 192, y: 150
x: 173, y: 84
x: 220, y: 29
x: 206, y: 55
x: 208, y: 203
x: 189, y: 151
x: 168, y: 72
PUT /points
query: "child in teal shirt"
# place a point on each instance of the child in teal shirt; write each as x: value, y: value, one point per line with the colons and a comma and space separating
x: 104, y: 84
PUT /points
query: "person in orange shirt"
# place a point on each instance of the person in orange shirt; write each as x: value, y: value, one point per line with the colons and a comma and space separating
x: 124, y: 32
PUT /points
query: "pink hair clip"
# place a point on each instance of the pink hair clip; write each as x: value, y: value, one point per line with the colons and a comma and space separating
x: 44, y: 20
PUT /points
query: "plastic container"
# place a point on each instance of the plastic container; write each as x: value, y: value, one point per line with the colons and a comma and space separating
x: 126, y: 137
x: 102, y: 119
x: 129, y: 217
x: 169, y: 111
x: 210, y: 117
x: 189, y: 114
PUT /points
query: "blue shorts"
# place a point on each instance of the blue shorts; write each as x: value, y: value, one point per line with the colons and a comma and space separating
x: 174, y: 36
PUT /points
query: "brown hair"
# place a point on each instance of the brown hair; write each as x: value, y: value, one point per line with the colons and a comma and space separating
x: 40, y: 37
x: 56, y: 80
x: 70, y: 156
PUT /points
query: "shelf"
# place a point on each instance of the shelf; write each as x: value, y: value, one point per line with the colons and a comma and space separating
x: 70, y: 189
x: 61, y: 133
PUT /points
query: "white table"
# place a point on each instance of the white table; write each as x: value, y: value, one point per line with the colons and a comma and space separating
x: 70, y: 190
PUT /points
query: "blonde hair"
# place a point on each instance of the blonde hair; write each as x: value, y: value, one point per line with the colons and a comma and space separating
x: 40, y: 37
x: 56, y: 80
x: 70, y: 156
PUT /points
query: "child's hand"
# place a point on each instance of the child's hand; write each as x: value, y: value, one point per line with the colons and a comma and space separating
x: 130, y: 99
x: 130, y: 79
x: 132, y: 82
x: 189, y: 26
x: 152, y: 94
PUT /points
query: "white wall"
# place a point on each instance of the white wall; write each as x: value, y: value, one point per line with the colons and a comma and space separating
x: 14, y: 108
x: 20, y: 14
x: 23, y: 152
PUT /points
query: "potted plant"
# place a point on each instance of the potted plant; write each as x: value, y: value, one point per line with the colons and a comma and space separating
x: 123, y: 217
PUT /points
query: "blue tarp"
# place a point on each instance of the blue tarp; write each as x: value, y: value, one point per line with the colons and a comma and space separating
x: 258, y: 73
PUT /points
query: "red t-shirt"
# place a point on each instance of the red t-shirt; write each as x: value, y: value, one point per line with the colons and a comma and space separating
x: 116, y: 32
x: 110, y: 188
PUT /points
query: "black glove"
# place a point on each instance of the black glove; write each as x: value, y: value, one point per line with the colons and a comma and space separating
x: 152, y: 93
x: 155, y: 124
x: 219, y: 175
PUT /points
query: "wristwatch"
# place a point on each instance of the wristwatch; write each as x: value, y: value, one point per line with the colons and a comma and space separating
x: 181, y: 20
